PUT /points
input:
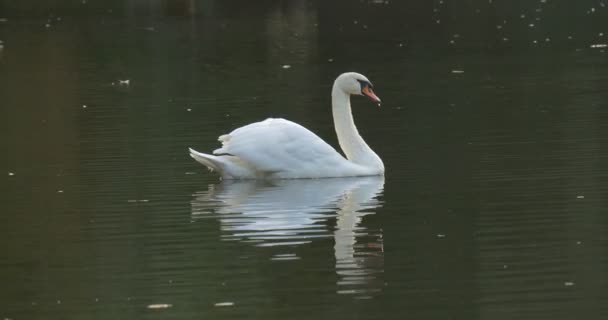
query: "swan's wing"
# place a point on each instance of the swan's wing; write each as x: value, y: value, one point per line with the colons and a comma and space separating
x: 279, y: 145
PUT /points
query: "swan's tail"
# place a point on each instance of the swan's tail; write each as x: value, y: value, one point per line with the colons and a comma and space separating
x: 229, y: 167
x: 210, y: 161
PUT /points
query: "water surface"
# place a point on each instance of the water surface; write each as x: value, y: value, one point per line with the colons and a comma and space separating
x: 492, y: 130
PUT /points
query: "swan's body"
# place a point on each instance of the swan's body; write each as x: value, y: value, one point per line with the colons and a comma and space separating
x: 281, y: 149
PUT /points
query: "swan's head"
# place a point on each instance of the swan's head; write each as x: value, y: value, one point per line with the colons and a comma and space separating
x: 357, y: 84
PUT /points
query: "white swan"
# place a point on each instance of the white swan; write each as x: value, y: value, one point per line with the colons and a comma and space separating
x: 281, y: 149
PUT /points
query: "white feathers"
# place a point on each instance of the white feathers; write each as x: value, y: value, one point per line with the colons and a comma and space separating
x: 277, y: 148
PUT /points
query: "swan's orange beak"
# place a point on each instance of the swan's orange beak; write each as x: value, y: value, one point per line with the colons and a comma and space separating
x: 370, y: 93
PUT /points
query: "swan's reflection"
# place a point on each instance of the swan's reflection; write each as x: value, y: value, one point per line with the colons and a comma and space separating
x: 294, y: 212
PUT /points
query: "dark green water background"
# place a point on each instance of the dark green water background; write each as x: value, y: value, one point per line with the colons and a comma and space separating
x: 493, y: 131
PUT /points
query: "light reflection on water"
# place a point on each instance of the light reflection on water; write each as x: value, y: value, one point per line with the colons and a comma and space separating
x: 290, y: 213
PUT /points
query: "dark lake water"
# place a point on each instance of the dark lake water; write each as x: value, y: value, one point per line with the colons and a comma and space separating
x: 493, y: 131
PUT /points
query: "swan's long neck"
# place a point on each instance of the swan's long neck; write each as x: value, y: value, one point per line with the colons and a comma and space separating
x: 352, y: 144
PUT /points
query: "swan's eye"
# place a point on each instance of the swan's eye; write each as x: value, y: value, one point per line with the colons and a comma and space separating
x: 365, y: 84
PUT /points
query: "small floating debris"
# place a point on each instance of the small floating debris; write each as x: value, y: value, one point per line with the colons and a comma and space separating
x: 189, y: 109
x: 159, y: 306
x: 126, y: 82
x: 578, y: 243
x: 456, y: 71
x: 2, y: 20
x: 599, y: 45
x: 330, y: 60
x: 440, y: 235
x: 286, y: 66
x: 84, y: 106
x: 580, y: 197
x: 10, y: 174
x: 136, y: 201
x: 224, y: 304
x: 568, y: 283
x: 531, y: 25
x: 59, y: 191
x: 48, y: 25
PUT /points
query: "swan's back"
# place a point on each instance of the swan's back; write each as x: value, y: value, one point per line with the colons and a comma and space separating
x: 283, y: 149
